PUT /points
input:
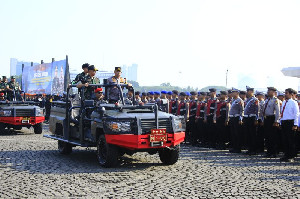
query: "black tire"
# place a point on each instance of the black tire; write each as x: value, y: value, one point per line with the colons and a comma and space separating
x: 17, y: 128
x: 169, y: 156
x: 64, y: 147
x: 38, y: 128
x: 2, y: 128
x: 107, y: 155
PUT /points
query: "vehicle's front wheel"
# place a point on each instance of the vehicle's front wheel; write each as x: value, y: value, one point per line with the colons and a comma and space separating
x: 169, y: 156
x: 108, y: 155
x: 64, y: 147
x: 38, y: 128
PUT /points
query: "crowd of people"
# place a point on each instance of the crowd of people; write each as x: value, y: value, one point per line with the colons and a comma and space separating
x: 236, y: 119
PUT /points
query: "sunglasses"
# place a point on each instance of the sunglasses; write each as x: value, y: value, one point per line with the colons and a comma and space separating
x: 100, y: 92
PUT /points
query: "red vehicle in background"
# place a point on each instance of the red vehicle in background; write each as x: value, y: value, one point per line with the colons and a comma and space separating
x: 18, y: 114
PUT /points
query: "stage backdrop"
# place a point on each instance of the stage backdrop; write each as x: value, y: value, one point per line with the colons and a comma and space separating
x: 48, y: 78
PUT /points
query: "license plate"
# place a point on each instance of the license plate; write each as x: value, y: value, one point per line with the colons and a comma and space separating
x: 158, y: 135
x: 25, y: 120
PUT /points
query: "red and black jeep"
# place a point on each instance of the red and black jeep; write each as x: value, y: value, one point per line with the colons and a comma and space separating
x: 115, y: 129
x: 18, y: 114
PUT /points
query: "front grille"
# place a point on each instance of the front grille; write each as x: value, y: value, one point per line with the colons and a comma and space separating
x: 148, y: 124
x: 24, y: 112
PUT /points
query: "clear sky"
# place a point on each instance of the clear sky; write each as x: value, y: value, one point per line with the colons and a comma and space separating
x: 184, y: 42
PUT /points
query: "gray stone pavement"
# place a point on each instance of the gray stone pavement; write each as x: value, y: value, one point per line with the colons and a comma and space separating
x: 30, y: 166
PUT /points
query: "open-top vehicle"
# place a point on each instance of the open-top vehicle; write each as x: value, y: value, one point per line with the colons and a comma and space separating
x: 18, y: 114
x: 115, y: 129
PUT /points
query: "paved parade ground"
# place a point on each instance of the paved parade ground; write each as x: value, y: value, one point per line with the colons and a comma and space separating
x: 30, y: 165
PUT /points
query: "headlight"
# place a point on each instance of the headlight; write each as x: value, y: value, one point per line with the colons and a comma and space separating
x: 5, y: 113
x: 118, y: 127
x: 178, y: 124
x: 39, y: 112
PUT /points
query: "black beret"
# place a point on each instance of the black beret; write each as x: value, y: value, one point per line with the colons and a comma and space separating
x: 182, y: 94
x: 243, y: 92
x: 212, y: 90
x: 137, y: 92
x: 223, y: 92
x: 86, y: 65
x: 175, y: 92
x: 249, y: 88
x: 118, y: 69
x: 203, y: 93
x: 3, y: 77
x: 229, y: 91
x: 92, y: 67
x: 144, y: 94
x: 272, y: 89
x: 193, y: 93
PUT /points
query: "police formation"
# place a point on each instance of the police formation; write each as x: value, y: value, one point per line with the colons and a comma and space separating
x: 235, y: 120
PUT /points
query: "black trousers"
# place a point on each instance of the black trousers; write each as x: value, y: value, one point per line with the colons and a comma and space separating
x: 235, y: 133
x: 251, y: 133
x: 201, y: 130
x: 272, y: 135
x: 221, y: 131
x: 211, y: 131
x: 260, y: 137
x: 288, y: 138
x: 193, y: 130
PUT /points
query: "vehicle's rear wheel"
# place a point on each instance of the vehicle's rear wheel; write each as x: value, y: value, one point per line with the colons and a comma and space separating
x: 169, y: 156
x: 38, y: 128
x: 108, y: 155
x: 64, y: 147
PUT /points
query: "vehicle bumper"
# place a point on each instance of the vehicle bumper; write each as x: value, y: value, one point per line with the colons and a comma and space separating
x: 19, y: 121
x: 143, y: 141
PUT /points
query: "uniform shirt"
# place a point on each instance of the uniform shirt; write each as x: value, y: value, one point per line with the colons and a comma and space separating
x: 251, y: 107
x: 89, y: 91
x: 113, y: 92
x: 237, y: 108
x: 222, y: 110
x: 290, y: 111
x: 201, y: 110
x: 260, y: 109
x: 193, y: 108
x: 3, y: 85
x: 173, y: 106
x: 272, y: 107
x: 211, y: 106
x: 80, y: 78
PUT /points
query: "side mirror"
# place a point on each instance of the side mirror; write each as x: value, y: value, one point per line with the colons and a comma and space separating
x: 101, y: 111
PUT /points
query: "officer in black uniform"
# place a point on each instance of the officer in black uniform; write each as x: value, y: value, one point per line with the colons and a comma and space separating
x: 192, y: 119
x: 222, y: 118
x: 201, y: 119
x: 173, y: 103
x: 211, y: 123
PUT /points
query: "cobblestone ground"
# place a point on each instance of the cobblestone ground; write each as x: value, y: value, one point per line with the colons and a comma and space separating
x: 30, y: 166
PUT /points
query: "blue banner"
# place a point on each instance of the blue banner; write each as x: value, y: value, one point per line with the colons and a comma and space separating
x: 48, y: 78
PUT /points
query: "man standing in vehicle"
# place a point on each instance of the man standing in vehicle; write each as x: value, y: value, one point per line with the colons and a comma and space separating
x: 114, y: 94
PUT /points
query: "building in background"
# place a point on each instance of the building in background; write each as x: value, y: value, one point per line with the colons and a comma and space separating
x: 130, y: 72
x: 16, y: 66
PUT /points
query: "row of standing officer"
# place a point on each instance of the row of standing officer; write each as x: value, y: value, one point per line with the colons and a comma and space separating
x: 248, y: 121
